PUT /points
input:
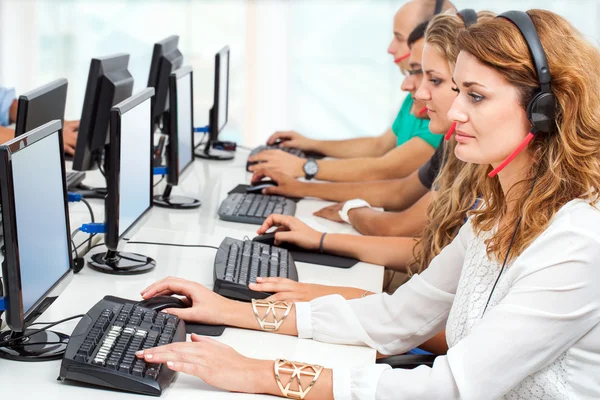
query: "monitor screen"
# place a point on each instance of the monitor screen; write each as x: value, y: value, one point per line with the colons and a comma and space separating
x: 223, y: 88
x: 184, y: 121
x: 134, y: 175
x: 43, y: 248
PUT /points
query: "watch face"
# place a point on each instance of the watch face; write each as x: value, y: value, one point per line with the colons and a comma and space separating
x: 311, y: 167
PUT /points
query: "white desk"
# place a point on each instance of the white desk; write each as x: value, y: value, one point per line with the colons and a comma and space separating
x: 209, y: 181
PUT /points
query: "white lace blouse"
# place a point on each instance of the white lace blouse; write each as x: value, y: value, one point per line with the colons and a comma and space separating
x: 539, y: 337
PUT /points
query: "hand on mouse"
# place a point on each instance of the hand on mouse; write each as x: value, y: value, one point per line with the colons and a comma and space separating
x: 291, y: 139
x: 331, y: 212
x: 286, y: 185
x: 291, y: 230
x: 278, y: 161
x: 206, y: 306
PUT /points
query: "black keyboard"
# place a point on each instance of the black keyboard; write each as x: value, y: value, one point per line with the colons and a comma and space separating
x: 74, y: 178
x: 239, y: 263
x: 251, y: 208
x: 296, y: 152
x: 102, y: 348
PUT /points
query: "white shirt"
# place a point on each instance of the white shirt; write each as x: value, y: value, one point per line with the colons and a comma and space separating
x: 539, y: 338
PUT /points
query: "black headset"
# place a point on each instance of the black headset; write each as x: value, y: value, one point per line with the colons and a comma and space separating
x: 541, y: 108
x: 438, y: 7
x: 468, y: 15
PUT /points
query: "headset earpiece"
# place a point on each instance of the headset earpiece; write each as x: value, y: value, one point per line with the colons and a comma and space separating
x: 541, y: 112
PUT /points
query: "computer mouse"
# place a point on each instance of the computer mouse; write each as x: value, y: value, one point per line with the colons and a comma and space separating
x: 269, y: 239
x: 257, y: 187
x: 159, y: 303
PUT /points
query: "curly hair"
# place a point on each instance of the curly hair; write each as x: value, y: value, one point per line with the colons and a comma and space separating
x: 565, y: 164
x: 457, y: 192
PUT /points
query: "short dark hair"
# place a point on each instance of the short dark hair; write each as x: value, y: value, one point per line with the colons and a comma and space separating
x: 418, y: 33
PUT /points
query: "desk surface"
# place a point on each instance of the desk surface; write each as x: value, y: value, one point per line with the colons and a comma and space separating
x: 209, y: 181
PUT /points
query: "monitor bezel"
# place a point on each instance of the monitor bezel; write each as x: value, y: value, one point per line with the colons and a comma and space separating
x: 87, y: 148
x: 114, y: 170
x: 16, y: 318
x: 173, y: 173
x: 59, y: 85
x: 216, y: 130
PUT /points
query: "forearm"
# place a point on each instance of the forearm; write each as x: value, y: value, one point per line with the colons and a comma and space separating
x: 351, y: 148
x: 241, y: 315
x: 410, y: 222
x: 393, y: 252
x: 376, y: 193
x: 12, y: 111
x: 398, y: 163
x: 265, y: 376
x: 6, y: 134
x: 437, y: 344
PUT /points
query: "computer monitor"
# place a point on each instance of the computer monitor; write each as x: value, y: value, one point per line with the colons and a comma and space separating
x: 41, y: 105
x: 166, y: 58
x: 219, y: 113
x: 109, y: 82
x: 180, y: 148
x: 37, y: 262
x: 129, y: 184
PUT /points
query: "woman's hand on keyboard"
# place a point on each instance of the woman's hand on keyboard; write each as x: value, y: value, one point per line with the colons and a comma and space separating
x: 206, y: 305
x: 289, y: 290
x: 216, y: 364
x: 291, y: 230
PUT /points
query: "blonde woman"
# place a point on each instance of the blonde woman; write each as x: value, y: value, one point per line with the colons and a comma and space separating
x: 517, y: 289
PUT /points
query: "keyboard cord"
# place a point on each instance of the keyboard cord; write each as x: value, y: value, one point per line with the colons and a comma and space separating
x: 49, y: 325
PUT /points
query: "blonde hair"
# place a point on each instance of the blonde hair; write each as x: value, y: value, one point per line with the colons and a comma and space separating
x: 457, y: 193
x: 567, y: 162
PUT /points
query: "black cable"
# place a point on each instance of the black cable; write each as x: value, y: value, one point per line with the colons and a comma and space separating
x: 159, y: 181
x: 101, y: 169
x: 87, y: 204
x: 50, y: 325
x: 201, y: 141
x: 176, y: 245
x: 511, y: 242
x: 87, y: 241
x: 244, y: 147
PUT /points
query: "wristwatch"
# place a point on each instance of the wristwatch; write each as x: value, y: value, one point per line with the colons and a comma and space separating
x: 310, y: 168
x: 349, y: 205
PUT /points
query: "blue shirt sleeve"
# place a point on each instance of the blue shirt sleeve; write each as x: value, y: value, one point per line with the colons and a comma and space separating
x: 7, y: 96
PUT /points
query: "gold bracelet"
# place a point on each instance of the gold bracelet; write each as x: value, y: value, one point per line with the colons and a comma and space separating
x: 271, y: 306
x: 297, y: 370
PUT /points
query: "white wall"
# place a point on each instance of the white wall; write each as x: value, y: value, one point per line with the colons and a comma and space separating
x: 318, y: 66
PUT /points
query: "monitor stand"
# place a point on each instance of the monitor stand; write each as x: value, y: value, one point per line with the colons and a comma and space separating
x: 165, y: 200
x: 214, y: 154
x: 121, y: 263
x: 42, y: 346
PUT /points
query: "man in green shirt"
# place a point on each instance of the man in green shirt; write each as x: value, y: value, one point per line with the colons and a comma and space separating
x: 407, y: 145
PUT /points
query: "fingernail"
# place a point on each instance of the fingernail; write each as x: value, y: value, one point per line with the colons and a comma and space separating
x: 149, y: 356
x: 170, y: 363
x: 259, y: 279
x: 139, y: 353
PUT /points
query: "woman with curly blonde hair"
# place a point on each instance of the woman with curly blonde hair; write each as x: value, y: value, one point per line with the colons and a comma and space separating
x: 517, y: 290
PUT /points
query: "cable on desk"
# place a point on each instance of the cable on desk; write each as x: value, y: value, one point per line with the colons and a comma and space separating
x: 176, y: 245
x: 201, y: 141
x: 241, y: 146
x: 159, y: 181
x: 48, y: 326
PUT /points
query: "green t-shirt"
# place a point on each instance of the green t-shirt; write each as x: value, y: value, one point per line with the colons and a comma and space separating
x: 407, y: 126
